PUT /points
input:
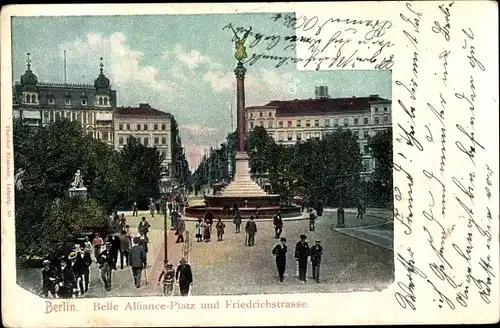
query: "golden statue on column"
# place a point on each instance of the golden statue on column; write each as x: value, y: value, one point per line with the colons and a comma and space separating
x: 239, y: 45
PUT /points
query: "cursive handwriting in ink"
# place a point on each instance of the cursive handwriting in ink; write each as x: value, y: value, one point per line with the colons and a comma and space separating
x: 431, y: 176
x: 489, y: 173
x: 409, y: 138
x: 406, y: 294
x: 438, y: 252
x: 444, y: 30
x: 444, y: 56
x: 442, y: 297
x: 473, y: 61
x: 414, y: 21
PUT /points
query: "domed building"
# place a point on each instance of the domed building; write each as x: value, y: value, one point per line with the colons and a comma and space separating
x: 40, y: 103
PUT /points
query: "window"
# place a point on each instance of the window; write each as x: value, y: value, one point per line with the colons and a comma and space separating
x: 356, y: 134
x: 84, y: 102
x: 327, y: 122
x: 52, y: 101
x: 157, y: 140
x: 270, y: 114
x: 90, y: 133
x: 299, y: 136
x: 385, y: 109
x: 376, y: 109
x: 317, y: 135
x: 145, y: 127
x: 251, y: 125
x: 270, y: 124
x: 335, y: 122
x: 261, y: 123
x: 128, y: 127
x: 33, y: 98
x: 366, y: 121
x: 146, y: 141
x: 260, y: 114
x: 289, y: 136
x: 366, y: 134
x: 280, y: 136
x: 120, y: 126
x: 289, y: 124
x: 90, y: 118
x: 366, y: 165
x: 308, y: 123
x: 155, y: 127
x: 366, y: 149
x: 105, y: 101
x: 385, y: 119
x: 163, y: 126
x: 120, y: 141
x: 316, y: 123
x: 79, y: 117
x: 73, y: 116
x: 308, y: 135
x: 105, y: 136
x: 67, y: 101
x: 251, y: 115
x: 139, y: 140
x: 164, y: 140
x: 299, y: 123
x: 280, y: 124
x: 84, y: 118
x: 138, y: 127
x: 46, y: 116
x: 377, y: 120
x: 356, y: 121
x: 346, y: 121
x: 100, y: 100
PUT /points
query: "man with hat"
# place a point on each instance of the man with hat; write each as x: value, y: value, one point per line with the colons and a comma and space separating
x: 136, y: 260
x: 301, y: 254
x: 67, y: 281
x: 77, y: 265
x: 105, y: 260
x: 251, y: 230
x: 280, y: 252
x: 278, y: 225
x: 316, y: 252
x: 49, y: 277
x: 184, y: 277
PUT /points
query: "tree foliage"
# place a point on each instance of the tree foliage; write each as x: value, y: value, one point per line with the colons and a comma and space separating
x: 381, y: 150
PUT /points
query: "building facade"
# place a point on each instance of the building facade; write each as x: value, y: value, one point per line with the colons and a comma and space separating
x: 40, y: 103
x: 289, y: 122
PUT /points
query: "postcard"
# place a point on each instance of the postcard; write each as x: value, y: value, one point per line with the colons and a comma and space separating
x: 253, y: 164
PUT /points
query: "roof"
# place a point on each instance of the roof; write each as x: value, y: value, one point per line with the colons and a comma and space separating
x: 323, y: 105
x: 142, y: 110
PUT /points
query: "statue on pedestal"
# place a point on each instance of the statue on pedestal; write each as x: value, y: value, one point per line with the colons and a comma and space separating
x: 239, y: 45
x: 77, y: 181
x: 17, y: 179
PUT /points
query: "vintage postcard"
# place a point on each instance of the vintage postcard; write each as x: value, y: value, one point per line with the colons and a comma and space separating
x: 250, y: 164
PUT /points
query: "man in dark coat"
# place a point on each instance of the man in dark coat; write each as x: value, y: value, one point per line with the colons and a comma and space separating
x: 78, y: 267
x: 251, y: 230
x: 184, y: 277
x: 316, y: 252
x: 49, y: 277
x: 312, y: 220
x: 67, y: 281
x: 301, y: 254
x: 87, y: 261
x: 237, y: 221
x: 115, y: 248
x: 280, y: 252
x: 125, y: 246
x: 209, y: 219
x: 106, y: 263
x: 136, y: 259
x: 278, y: 225
x: 143, y: 227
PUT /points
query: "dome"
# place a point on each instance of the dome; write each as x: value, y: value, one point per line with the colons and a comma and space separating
x: 29, y: 78
x: 102, y: 82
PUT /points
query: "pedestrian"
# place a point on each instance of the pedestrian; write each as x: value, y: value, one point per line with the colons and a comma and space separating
x: 312, y: 219
x: 106, y: 263
x: 134, y: 209
x: 251, y: 230
x: 184, y: 277
x: 87, y: 262
x: 237, y: 221
x: 316, y: 252
x: 128, y: 233
x: 152, y: 207
x: 206, y: 231
x: 220, y: 229
x: 278, y: 225
x: 302, y: 205
x: 67, y: 282
x: 125, y: 246
x: 170, y: 207
x: 123, y: 221
x: 360, y: 211
x: 143, y: 227
x: 279, y: 251
x: 235, y: 209
x: 87, y: 245
x: 97, y: 242
x: 115, y: 248
x: 78, y: 265
x: 209, y: 218
x: 137, y: 259
x: 181, y: 227
x: 143, y: 242
x: 199, y: 230
x: 168, y: 275
x: 157, y: 206
x: 257, y: 213
x: 301, y: 254
x: 49, y: 279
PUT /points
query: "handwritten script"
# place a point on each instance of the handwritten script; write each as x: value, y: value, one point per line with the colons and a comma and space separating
x: 441, y: 151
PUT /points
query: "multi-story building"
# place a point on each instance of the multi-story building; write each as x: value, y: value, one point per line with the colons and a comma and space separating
x: 40, y: 103
x: 292, y: 121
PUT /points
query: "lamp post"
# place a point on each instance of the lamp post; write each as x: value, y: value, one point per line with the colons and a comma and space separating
x: 164, y: 182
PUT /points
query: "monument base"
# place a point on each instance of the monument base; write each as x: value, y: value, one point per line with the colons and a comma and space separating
x: 247, y: 195
x: 78, y: 193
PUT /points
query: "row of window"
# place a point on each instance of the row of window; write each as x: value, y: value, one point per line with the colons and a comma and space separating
x: 309, y: 135
x: 145, y: 140
x: 141, y: 127
x: 82, y: 117
x: 326, y: 122
x: 31, y: 99
x: 270, y: 114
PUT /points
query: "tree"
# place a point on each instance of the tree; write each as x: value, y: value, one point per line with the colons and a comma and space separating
x: 381, y: 150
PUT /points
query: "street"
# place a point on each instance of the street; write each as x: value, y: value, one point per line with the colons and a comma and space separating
x: 229, y: 267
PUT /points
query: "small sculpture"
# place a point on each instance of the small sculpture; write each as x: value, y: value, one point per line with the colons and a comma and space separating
x: 77, y: 180
x: 17, y: 179
x: 239, y: 45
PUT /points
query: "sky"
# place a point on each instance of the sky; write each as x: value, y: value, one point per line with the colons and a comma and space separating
x: 181, y: 64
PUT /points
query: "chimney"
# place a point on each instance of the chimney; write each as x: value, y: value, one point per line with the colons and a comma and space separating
x: 144, y: 105
x: 321, y: 92
x: 374, y: 97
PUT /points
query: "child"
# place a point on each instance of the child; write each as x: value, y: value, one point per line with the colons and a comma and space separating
x: 168, y: 275
x: 220, y: 229
x: 199, y: 230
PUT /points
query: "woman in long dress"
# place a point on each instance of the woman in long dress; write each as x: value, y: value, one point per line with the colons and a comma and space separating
x: 206, y: 231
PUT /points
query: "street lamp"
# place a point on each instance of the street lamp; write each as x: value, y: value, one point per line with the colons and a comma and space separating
x: 164, y: 182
